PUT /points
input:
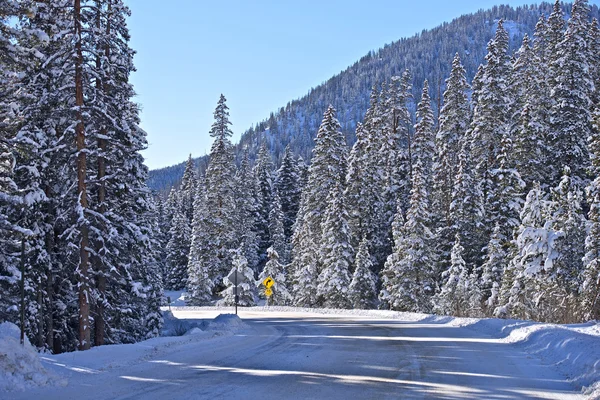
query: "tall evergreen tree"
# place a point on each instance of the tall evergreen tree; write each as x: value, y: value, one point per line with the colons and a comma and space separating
x: 362, y: 289
x: 409, y: 277
x: 247, y: 213
x: 217, y: 221
x: 491, y: 112
x: 264, y: 199
x: 289, y: 188
x: 336, y: 253
x: 452, y: 299
x: 453, y: 124
x: 571, y: 122
x: 590, y: 288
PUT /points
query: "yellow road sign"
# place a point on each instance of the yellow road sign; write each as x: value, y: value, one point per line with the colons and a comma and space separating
x: 268, y: 282
x: 268, y: 292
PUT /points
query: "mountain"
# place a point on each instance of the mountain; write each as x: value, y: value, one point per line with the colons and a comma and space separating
x: 427, y: 55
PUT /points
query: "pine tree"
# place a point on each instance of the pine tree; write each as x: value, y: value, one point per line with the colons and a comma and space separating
x: 528, y: 273
x: 453, y: 298
x: 217, y: 220
x: 275, y: 270
x: 423, y: 144
x: 491, y: 112
x: 177, y: 253
x: 246, y: 212
x: 289, y: 188
x: 362, y: 289
x: 571, y: 122
x: 504, y: 197
x: 590, y: 288
x: 569, y: 219
x: 189, y: 183
x: 199, y: 283
x: 466, y: 209
x: 492, y: 272
x: 453, y: 124
x: 247, y: 293
x: 264, y: 196
x: 327, y: 170
x: 336, y: 253
x: 276, y: 231
x: 408, y: 277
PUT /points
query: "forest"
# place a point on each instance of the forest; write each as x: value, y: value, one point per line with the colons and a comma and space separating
x: 489, y: 210
x: 483, y: 201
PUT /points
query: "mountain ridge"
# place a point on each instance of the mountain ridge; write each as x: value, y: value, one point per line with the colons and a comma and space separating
x: 427, y: 55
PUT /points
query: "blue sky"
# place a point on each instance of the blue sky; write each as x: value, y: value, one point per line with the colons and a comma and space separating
x: 259, y: 53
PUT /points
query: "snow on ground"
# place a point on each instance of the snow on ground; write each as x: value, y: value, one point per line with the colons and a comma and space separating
x: 177, y: 298
x: 20, y: 366
x: 571, y: 350
x: 574, y: 350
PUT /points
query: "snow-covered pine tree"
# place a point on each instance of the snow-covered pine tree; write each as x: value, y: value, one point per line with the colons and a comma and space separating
x: 453, y: 297
x: 453, y: 123
x: 362, y: 289
x: 246, y: 212
x: 492, y: 273
x: 274, y: 269
x: 366, y: 180
x: 467, y: 209
x: 454, y: 120
x: 218, y: 217
x: 594, y: 59
x: 178, y: 251
x: 409, y: 277
x: 554, y: 35
x: 423, y: 149
x: 264, y: 199
x: 327, y: 170
x: 199, y: 283
x: 336, y: 253
x: 571, y: 122
x: 590, y: 288
x: 504, y: 195
x: 528, y: 272
x: 304, y: 271
x: 276, y: 231
x: 187, y: 189
x: 491, y: 113
x: 358, y: 186
x: 247, y: 293
x: 9, y: 200
x: 289, y: 188
x: 567, y: 269
x: 395, y: 152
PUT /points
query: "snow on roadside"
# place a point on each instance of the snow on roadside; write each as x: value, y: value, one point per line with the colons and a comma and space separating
x: 20, y: 366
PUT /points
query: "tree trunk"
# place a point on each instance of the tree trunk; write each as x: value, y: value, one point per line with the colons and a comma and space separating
x: 83, y: 270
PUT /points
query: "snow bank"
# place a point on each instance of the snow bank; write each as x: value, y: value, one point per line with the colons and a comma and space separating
x: 574, y: 350
x: 226, y: 323
x: 20, y: 366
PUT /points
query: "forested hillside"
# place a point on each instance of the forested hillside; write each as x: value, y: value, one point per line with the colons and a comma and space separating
x: 492, y: 209
x: 427, y: 55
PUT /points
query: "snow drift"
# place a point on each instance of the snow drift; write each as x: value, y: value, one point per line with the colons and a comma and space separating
x: 20, y: 366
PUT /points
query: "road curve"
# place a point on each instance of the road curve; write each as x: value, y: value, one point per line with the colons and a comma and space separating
x: 287, y: 355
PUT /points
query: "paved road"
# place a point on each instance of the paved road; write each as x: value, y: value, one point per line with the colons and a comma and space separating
x: 311, y: 356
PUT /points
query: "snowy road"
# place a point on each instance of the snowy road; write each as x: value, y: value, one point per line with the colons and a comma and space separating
x: 307, y: 356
